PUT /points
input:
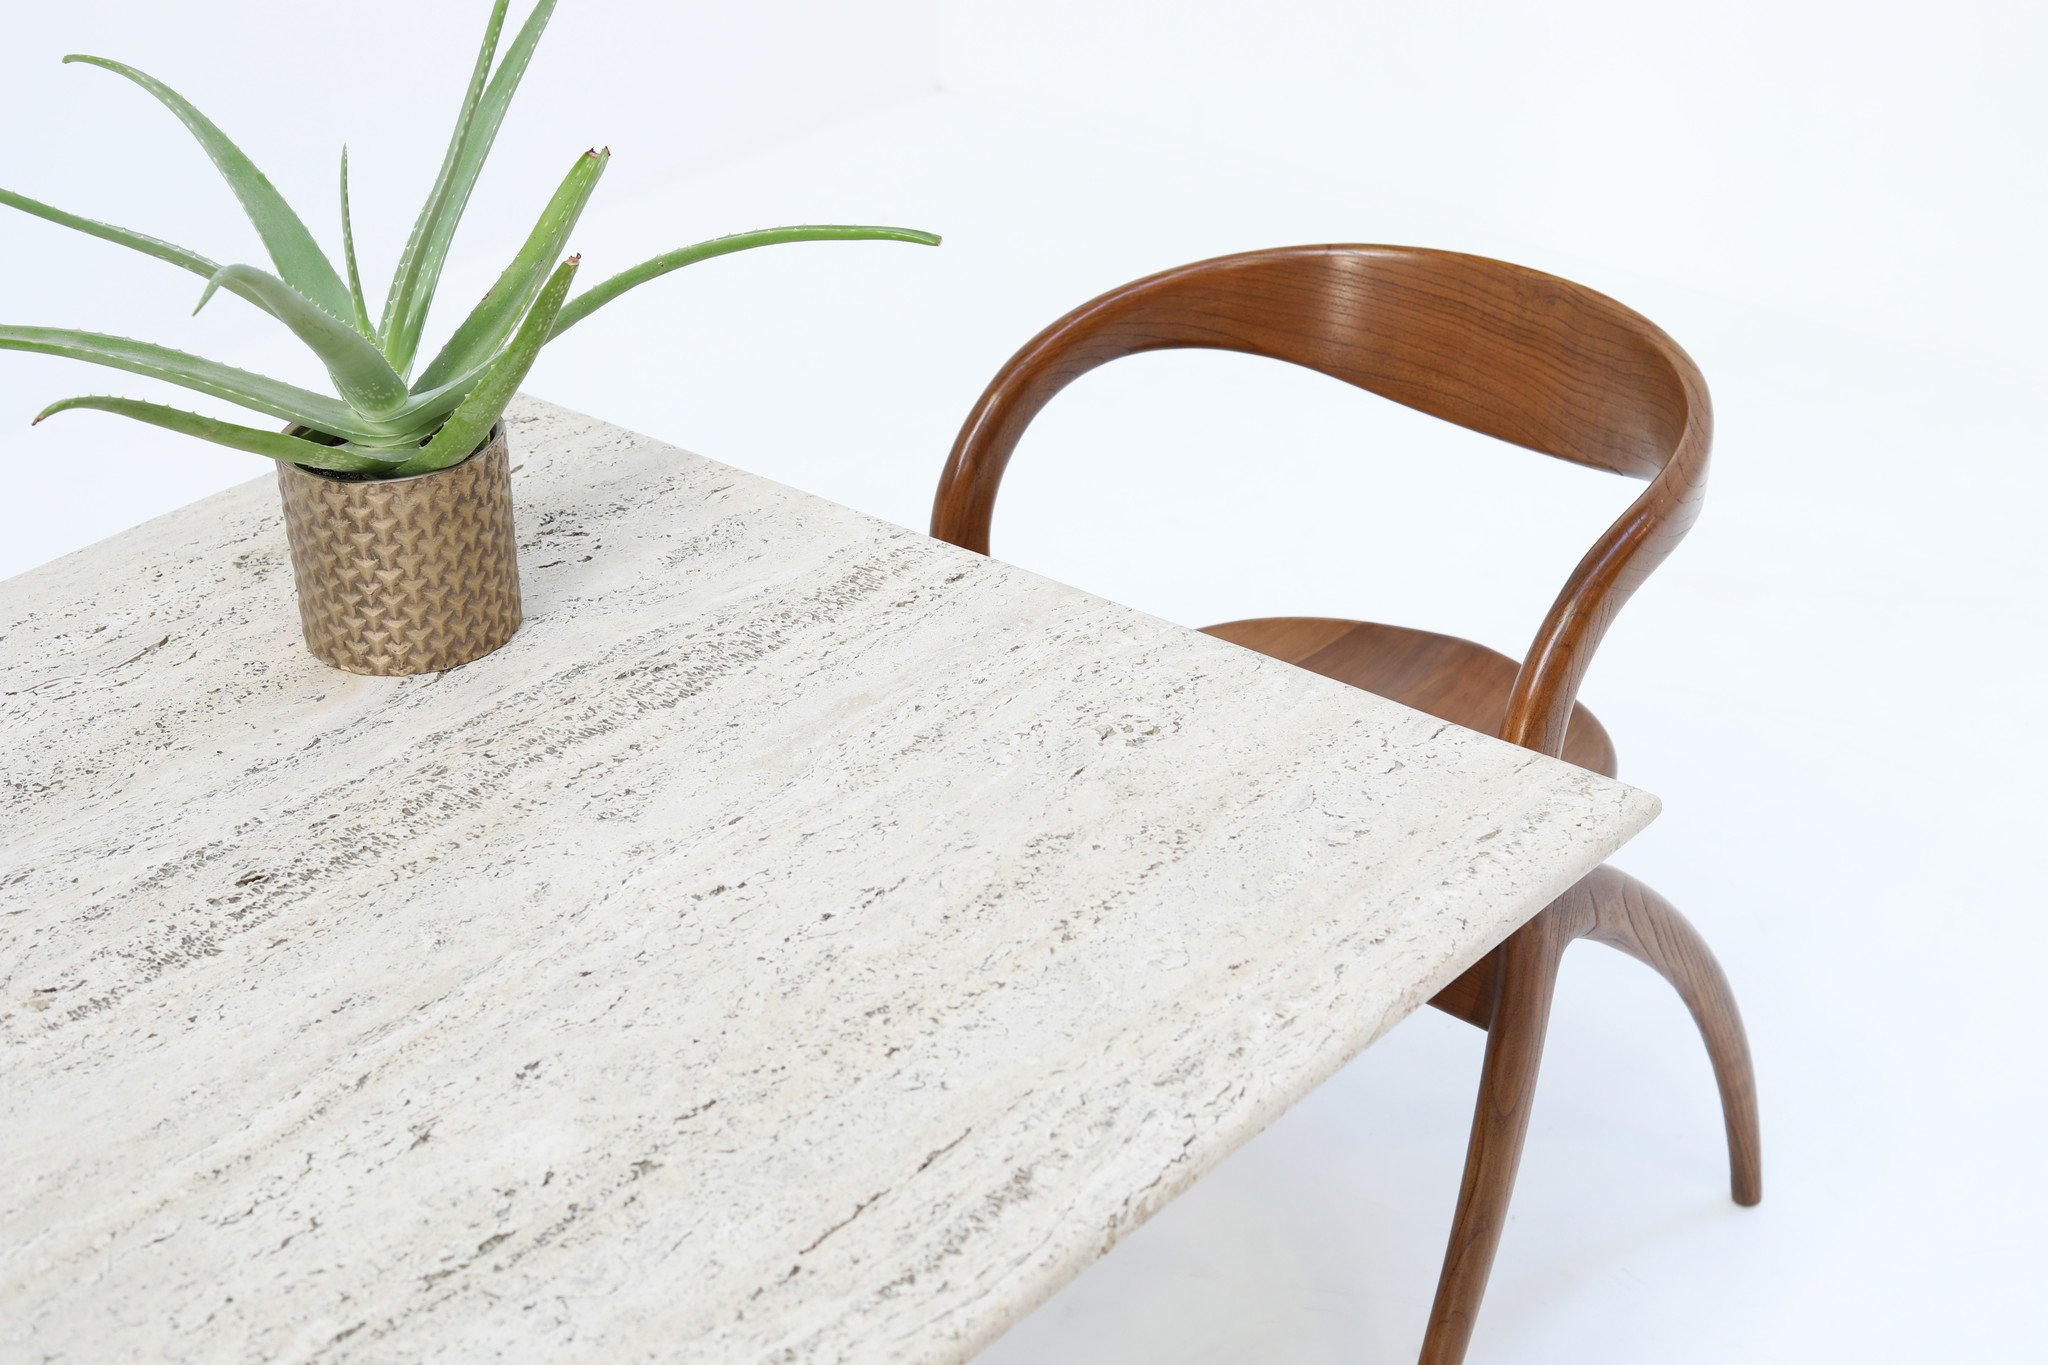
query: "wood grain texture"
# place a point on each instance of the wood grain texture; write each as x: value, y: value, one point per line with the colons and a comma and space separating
x: 802, y: 941
x: 1511, y: 992
x: 1630, y: 917
x: 1522, y: 984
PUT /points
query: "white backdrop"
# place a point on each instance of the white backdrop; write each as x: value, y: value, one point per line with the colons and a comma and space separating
x: 1876, y: 162
x: 1836, y: 207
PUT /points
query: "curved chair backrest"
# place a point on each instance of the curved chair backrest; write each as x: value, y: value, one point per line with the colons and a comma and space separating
x: 1498, y: 348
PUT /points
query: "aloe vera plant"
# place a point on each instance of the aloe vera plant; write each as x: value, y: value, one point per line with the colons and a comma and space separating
x: 383, y: 420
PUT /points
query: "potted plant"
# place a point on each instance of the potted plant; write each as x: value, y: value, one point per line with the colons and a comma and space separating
x: 397, y: 498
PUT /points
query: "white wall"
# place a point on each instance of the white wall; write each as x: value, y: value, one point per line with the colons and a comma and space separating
x: 670, y: 87
x: 1879, y: 162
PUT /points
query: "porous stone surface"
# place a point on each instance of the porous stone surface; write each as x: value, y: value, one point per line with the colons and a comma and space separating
x: 802, y: 942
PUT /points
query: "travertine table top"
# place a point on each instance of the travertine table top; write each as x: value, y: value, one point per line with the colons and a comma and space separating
x: 804, y: 942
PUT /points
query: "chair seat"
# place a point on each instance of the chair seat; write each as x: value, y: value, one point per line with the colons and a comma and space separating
x: 1450, y: 678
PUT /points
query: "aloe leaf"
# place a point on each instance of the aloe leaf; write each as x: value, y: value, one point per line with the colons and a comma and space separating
x: 202, y: 266
x: 360, y: 373
x: 407, y: 283
x: 425, y: 411
x: 409, y: 426
x: 275, y: 444
x: 506, y: 302
x: 297, y: 256
x: 136, y: 241
x: 476, y: 149
x: 422, y: 414
x: 287, y: 402
x: 348, y: 252
x: 428, y: 410
x: 472, y: 422
x: 588, y: 302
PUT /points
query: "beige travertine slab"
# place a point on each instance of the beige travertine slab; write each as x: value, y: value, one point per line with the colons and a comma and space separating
x: 803, y: 942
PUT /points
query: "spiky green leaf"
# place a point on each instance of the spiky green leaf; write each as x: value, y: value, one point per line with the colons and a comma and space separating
x: 202, y: 266
x: 135, y: 241
x: 476, y: 149
x: 472, y: 422
x: 298, y: 257
x: 275, y: 444
x: 408, y: 426
x: 287, y: 402
x: 493, y: 320
x: 361, y: 375
x: 588, y: 302
x: 360, y: 304
x: 425, y: 411
x: 411, y: 291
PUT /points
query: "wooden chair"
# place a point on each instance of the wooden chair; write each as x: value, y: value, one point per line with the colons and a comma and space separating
x: 1531, y: 359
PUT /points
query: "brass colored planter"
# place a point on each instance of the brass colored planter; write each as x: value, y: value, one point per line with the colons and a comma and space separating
x: 401, y: 576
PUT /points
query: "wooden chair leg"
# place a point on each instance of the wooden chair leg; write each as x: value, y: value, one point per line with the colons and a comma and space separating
x: 1509, y: 994
x: 1631, y: 917
x: 1525, y: 976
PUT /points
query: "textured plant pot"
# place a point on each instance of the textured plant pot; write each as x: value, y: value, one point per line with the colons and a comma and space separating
x: 402, y: 576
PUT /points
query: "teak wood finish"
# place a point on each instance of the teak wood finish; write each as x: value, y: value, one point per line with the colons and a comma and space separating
x: 1528, y: 358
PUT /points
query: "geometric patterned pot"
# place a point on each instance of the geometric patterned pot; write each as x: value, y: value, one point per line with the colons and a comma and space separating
x: 400, y: 576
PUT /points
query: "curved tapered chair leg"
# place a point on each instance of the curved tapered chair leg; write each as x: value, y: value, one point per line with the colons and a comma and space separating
x: 1509, y: 995
x: 1525, y: 979
x: 1631, y: 917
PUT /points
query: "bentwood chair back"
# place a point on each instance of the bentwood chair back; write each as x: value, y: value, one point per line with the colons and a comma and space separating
x: 1527, y: 358
x: 1496, y: 348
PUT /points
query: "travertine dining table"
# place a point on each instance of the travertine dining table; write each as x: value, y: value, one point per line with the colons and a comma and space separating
x: 806, y: 941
